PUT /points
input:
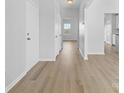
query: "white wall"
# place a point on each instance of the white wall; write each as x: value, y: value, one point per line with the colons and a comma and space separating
x: 111, y: 6
x: 32, y: 27
x: 73, y: 14
x: 47, y: 29
x: 95, y: 27
x: 95, y: 23
x: 58, y: 32
x: 50, y: 28
x: 15, y: 39
x: 82, y: 32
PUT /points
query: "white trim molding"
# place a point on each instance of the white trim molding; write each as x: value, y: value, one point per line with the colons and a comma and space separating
x: 10, y: 86
x: 86, y: 58
x: 82, y: 55
x: 96, y: 53
x: 28, y: 69
x: 48, y: 59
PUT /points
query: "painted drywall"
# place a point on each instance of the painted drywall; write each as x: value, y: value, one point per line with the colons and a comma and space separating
x: 15, y: 40
x: 47, y: 29
x: 110, y: 6
x: 73, y: 14
x: 32, y: 28
x: 82, y: 33
x: 91, y: 25
x: 95, y: 23
x: 95, y: 27
x: 50, y: 30
x: 58, y: 32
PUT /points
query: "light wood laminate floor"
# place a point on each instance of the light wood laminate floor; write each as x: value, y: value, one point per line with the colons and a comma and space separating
x: 71, y: 74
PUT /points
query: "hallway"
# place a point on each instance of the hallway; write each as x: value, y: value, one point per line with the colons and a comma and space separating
x: 71, y: 74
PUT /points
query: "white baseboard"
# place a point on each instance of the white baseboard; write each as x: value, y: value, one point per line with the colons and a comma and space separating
x: 48, y: 59
x: 28, y: 69
x: 84, y: 57
x: 10, y: 86
x: 96, y: 53
x: 108, y: 42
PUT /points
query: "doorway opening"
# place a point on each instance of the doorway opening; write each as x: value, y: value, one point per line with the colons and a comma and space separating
x: 69, y: 32
x: 67, y: 28
x: 111, y: 31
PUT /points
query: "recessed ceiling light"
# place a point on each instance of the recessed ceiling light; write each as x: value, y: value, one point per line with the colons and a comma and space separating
x: 70, y: 1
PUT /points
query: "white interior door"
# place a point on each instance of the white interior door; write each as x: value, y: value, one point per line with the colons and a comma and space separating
x: 57, y: 40
x: 32, y: 35
x: 58, y: 35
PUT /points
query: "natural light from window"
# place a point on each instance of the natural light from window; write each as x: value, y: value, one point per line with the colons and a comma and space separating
x: 67, y: 26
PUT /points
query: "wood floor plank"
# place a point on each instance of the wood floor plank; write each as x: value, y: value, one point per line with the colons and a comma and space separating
x: 71, y: 74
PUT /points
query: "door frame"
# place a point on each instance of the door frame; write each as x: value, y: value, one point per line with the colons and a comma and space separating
x: 32, y: 38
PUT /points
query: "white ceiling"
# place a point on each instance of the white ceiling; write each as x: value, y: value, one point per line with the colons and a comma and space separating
x: 76, y: 4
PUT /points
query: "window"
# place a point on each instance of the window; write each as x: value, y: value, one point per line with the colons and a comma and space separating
x: 67, y: 26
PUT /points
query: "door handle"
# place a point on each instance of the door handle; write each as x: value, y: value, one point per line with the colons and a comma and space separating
x: 28, y: 38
